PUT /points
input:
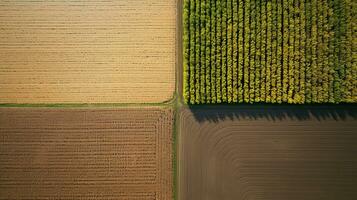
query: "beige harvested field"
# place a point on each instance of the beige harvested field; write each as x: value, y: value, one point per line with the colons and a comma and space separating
x: 86, y: 153
x: 87, y: 51
x: 268, y: 153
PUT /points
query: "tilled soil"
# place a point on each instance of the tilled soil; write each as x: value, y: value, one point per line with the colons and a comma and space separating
x: 121, y: 153
x: 268, y: 152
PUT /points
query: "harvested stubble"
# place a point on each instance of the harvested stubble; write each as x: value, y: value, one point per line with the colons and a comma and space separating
x: 85, y: 153
x: 87, y: 51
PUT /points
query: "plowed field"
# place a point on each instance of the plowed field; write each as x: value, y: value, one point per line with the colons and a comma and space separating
x: 268, y: 153
x: 85, y: 153
x: 87, y: 51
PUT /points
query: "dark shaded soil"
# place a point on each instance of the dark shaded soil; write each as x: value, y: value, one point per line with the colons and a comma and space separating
x: 268, y: 152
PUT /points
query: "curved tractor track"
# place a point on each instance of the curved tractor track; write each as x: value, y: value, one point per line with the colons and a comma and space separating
x: 256, y: 153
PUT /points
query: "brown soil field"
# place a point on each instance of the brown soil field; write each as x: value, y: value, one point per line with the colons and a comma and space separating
x: 87, y: 51
x: 102, y: 153
x: 268, y: 153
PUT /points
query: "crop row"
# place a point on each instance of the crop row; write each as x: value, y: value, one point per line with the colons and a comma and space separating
x: 291, y: 51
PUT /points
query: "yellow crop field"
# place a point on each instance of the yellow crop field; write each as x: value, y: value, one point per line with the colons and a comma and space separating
x: 87, y: 51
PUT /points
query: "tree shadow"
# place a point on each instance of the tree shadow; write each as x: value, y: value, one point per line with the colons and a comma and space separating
x: 216, y: 113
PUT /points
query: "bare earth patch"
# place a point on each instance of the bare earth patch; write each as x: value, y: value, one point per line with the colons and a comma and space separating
x: 87, y: 51
x: 85, y: 153
x: 268, y: 153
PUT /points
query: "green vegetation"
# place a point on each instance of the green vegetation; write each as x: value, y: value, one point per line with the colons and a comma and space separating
x: 269, y: 51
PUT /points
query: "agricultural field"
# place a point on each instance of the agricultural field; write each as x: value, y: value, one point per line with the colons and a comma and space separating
x: 87, y: 51
x: 268, y: 152
x: 98, y: 153
x: 269, y: 51
x: 98, y: 99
